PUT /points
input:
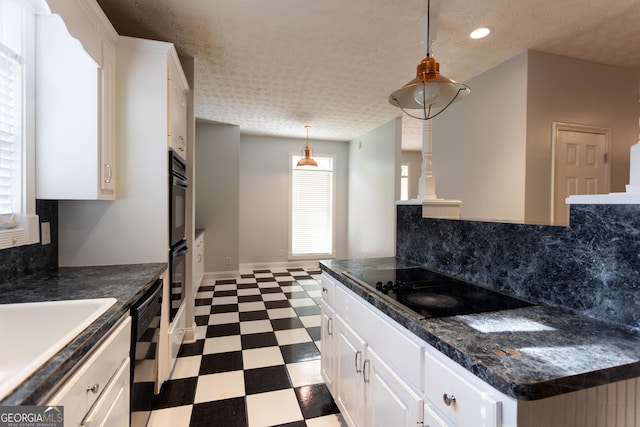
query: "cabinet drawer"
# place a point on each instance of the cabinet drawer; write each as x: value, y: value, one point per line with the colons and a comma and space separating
x: 402, y: 353
x: 460, y: 400
x: 84, y: 387
x: 328, y: 289
x: 112, y: 408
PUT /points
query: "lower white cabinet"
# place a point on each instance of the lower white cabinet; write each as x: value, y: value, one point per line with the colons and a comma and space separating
x: 382, y: 375
x: 368, y: 392
x: 327, y: 343
x: 461, y: 400
x: 97, y: 393
x: 431, y: 418
x: 349, y: 357
x: 112, y: 408
x: 389, y: 400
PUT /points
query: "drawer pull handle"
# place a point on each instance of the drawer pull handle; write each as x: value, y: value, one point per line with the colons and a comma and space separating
x: 330, y: 326
x: 366, y: 371
x: 324, y: 289
x: 358, y: 356
x: 448, y: 399
x: 93, y: 388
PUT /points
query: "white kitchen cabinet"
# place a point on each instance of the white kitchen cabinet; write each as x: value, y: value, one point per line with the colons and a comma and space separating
x: 463, y: 401
x: 133, y: 228
x: 368, y: 389
x: 431, y: 418
x: 75, y: 108
x: 177, y: 132
x: 389, y: 400
x: 112, y: 408
x: 97, y: 393
x: 327, y: 344
x: 349, y: 358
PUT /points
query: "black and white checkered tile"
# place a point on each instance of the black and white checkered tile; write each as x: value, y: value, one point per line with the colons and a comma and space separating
x: 256, y: 361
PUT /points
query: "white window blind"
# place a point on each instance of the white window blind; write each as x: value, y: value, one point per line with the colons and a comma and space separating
x: 10, y: 137
x: 312, y: 208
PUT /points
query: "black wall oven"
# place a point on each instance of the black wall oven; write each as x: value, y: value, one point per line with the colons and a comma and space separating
x: 177, y: 198
x: 177, y: 237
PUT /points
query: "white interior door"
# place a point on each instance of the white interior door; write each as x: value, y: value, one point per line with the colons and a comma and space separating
x: 580, y: 165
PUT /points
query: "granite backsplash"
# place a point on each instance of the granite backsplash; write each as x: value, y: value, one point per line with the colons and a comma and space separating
x: 591, y: 267
x: 29, y: 259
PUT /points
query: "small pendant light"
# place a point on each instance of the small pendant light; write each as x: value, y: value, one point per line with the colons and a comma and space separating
x: 429, y: 88
x: 307, y: 160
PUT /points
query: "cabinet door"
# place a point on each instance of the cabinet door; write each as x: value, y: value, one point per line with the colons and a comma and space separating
x: 177, y: 113
x: 431, y: 419
x: 389, y: 400
x: 108, y: 121
x: 350, y: 350
x: 327, y: 352
x: 112, y: 408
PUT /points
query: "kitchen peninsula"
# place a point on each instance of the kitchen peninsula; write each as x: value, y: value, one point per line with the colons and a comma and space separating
x: 573, y: 358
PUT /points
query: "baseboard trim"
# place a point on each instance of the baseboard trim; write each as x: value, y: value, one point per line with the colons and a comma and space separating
x: 248, y: 267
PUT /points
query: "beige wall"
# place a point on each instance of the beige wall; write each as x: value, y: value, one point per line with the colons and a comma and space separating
x: 479, y: 145
x: 578, y: 92
x: 492, y: 150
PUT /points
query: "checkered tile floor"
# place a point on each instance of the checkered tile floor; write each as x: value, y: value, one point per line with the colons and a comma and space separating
x: 256, y: 361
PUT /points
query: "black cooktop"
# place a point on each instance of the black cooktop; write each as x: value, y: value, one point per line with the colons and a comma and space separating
x: 430, y: 294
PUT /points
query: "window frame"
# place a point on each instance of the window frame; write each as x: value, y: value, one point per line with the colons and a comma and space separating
x: 293, y: 156
x: 27, y: 231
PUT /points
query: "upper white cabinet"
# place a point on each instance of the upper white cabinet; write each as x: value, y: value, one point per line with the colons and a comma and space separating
x: 178, y: 89
x: 75, y: 108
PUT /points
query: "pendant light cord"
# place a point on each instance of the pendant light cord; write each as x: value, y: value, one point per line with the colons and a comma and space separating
x: 428, y: 27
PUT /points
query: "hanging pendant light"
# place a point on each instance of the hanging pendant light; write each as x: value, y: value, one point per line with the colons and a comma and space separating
x: 307, y: 160
x: 429, y: 90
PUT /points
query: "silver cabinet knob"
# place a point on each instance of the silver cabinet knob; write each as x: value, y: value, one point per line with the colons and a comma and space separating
x: 93, y: 388
x: 448, y: 399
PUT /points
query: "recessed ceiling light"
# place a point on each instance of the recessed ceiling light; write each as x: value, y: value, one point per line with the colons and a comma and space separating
x: 479, y: 33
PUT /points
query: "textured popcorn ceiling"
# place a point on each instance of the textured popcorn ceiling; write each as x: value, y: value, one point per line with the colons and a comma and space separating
x: 273, y: 66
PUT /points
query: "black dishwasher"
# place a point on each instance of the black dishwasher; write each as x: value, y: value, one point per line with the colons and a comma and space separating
x: 145, y: 316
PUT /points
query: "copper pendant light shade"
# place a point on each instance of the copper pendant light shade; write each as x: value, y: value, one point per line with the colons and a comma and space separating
x: 429, y: 89
x: 307, y: 160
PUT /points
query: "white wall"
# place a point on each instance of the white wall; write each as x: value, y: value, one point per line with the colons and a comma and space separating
x: 217, y: 193
x: 374, y: 186
x: 479, y: 145
x: 264, y: 195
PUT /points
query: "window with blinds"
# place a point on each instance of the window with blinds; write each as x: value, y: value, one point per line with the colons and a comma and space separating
x: 19, y: 223
x: 312, y: 209
x: 10, y: 135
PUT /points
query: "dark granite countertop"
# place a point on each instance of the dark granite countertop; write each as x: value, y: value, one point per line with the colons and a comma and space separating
x: 560, y: 352
x: 125, y: 283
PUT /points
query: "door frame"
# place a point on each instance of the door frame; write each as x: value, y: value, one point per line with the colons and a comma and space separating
x: 558, y: 127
